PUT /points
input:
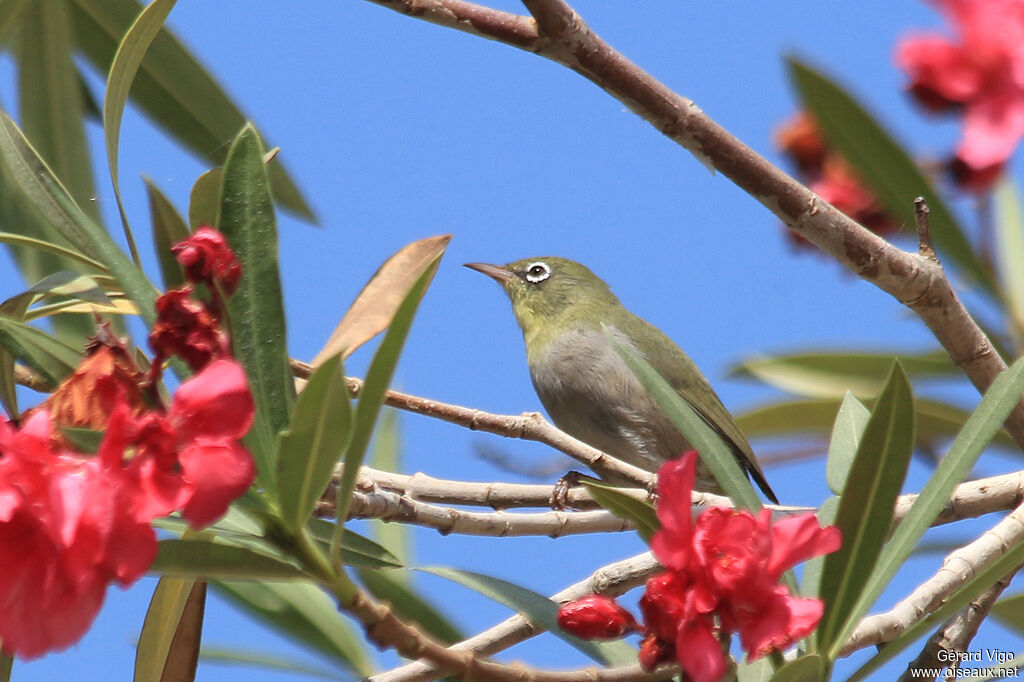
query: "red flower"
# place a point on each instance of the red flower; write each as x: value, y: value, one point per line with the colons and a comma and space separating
x: 596, y: 617
x: 66, y: 531
x: 207, y: 258
x: 981, y: 72
x: 185, y: 327
x: 191, y: 457
x: 722, y: 574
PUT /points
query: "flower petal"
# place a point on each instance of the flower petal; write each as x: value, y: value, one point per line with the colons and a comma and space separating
x: 216, y: 402
x: 700, y: 653
x: 219, y: 471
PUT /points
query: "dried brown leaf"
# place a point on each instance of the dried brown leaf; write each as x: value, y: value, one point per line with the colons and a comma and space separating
x: 371, y: 312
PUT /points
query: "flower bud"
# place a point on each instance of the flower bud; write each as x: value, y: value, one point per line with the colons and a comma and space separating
x: 595, y: 617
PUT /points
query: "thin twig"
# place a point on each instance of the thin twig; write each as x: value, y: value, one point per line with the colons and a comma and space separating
x: 924, y: 235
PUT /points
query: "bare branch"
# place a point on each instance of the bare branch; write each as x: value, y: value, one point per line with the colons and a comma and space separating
x: 390, y: 506
x: 916, y: 281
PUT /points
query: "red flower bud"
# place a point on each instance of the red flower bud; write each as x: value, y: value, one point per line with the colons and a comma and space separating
x: 207, y: 258
x: 596, y: 617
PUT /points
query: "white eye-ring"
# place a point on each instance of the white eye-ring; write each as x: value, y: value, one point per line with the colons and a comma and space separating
x: 537, y: 272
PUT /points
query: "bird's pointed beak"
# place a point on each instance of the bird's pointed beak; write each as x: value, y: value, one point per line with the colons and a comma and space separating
x: 498, y: 273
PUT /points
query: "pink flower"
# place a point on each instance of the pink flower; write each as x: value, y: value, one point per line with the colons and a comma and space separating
x: 66, y: 531
x: 207, y: 258
x: 722, y: 577
x: 982, y: 72
x: 190, y: 458
x: 596, y: 617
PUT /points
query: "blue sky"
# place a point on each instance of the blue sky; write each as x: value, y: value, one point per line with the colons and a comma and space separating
x: 397, y: 129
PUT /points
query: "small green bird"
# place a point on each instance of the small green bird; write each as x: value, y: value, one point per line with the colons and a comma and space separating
x: 585, y: 386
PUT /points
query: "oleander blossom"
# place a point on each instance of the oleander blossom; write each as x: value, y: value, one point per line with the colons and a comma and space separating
x: 978, y: 74
x: 72, y: 523
x: 721, y: 577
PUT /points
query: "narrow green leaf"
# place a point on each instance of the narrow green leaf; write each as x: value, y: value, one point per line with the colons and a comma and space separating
x: 6, y: 665
x: 1009, y: 249
x: 49, y: 247
x: 203, y: 558
x: 311, y: 447
x: 538, y: 609
x: 884, y: 167
x: 10, y: 16
x: 50, y: 99
x: 1010, y: 612
x: 625, y: 506
x: 978, y: 583
x: 305, y: 614
x: 84, y: 441
x: 256, y: 308
x: 13, y: 308
x: 52, y: 359
x: 395, y: 588
x: 125, y: 65
x: 866, y: 507
x: 356, y: 550
x: 371, y: 397
x: 168, y: 229
x: 830, y: 375
x: 38, y: 184
x: 261, y: 660
x: 713, y: 451
x: 204, y: 200
x: 162, y: 618
x: 173, y: 88
x: 936, y: 421
x: 807, y: 668
x: 846, y: 434
x: 71, y: 284
x: 238, y: 528
x: 1000, y: 399
x: 386, y: 455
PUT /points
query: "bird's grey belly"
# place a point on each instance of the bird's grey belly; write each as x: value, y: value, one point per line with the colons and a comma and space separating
x: 591, y: 394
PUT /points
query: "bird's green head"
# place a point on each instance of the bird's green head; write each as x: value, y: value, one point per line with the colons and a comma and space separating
x: 551, y: 295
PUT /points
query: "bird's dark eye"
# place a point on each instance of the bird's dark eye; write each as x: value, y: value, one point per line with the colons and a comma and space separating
x: 537, y: 272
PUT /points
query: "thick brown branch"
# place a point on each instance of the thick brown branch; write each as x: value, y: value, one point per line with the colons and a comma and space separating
x: 916, y: 281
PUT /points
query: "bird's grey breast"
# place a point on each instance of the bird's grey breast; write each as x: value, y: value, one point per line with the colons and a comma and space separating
x: 591, y: 393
